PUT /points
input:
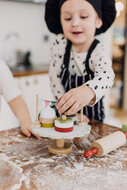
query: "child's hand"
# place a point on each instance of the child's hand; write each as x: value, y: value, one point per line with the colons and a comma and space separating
x: 85, y: 118
x: 76, y: 98
x: 20, y: 109
x: 26, y: 130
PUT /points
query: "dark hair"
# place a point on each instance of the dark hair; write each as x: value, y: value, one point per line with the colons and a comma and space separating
x: 104, y: 8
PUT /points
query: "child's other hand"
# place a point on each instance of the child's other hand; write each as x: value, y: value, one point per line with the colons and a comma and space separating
x: 26, y: 130
x: 76, y: 98
x: 20, y: 109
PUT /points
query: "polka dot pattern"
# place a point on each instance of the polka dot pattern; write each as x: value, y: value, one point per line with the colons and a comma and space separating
x: 98, y: 63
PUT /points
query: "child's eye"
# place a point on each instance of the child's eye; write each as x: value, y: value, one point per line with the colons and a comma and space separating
x: 67, y: 19
x: 83, y: 17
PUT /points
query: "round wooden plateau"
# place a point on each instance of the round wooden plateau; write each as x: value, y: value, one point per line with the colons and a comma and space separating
x: 59, y: 147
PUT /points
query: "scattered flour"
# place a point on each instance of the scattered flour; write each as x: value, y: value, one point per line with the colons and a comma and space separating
x: 26, y: 164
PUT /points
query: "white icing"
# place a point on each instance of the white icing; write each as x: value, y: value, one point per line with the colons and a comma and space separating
x: 48, y: 112
x: 63, y: 125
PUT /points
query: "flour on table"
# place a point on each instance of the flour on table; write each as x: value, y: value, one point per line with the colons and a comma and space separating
x: 30, y: 166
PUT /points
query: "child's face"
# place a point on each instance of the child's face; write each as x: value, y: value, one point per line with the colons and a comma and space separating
x: 79, y: 21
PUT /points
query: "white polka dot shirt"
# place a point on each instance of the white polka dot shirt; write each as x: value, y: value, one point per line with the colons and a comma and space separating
x: 98, y: 63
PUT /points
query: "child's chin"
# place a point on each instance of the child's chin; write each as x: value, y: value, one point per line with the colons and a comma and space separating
x: 77, y: 41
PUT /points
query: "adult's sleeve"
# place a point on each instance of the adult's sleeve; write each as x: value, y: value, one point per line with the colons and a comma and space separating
x: 7, y: 83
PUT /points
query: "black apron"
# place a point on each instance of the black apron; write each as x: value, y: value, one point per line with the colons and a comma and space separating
x: 70, y: 81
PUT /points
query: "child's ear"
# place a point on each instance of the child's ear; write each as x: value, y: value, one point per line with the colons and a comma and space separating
x: 98, y: 22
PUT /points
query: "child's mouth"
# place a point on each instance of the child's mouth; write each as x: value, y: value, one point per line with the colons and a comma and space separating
x: 76, y: 33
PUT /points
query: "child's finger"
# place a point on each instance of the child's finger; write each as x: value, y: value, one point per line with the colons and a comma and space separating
x: 67, y: 105
x: 63, y: 100
x: 37, y: 136
x: 26, y: 132
x: 73, y: 109
x: 59, y: 99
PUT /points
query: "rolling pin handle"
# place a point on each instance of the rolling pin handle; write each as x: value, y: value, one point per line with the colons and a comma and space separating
x: 125, y: 133
x: 89, y: 153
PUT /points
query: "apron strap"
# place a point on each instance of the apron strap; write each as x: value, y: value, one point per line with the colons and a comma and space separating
x: 92, y: 47
x: 67, y: 54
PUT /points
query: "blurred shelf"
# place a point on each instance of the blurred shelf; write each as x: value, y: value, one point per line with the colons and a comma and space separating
x: 19, y: 71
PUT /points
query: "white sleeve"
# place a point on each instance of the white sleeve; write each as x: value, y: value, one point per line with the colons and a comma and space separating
x: 103, y: 73
x: 57, y: 55
x: 7, y: 83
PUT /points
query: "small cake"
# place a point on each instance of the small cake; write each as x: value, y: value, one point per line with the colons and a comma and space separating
x: 74, y: 117
x: 64, y: 125
x: 47, y: 117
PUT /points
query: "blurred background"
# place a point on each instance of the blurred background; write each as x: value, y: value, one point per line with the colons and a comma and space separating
x: 25, y: 46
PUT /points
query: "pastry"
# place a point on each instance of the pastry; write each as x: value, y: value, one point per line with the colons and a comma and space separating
x: 64, y: 125
x: 47, y: 117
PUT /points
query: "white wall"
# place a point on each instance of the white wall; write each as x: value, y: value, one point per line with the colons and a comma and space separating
x: 27, y: 21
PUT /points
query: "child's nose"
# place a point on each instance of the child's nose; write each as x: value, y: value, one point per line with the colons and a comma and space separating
x: 75, y: 22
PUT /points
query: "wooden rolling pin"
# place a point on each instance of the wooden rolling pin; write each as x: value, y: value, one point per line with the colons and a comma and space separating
x: 106, y: 144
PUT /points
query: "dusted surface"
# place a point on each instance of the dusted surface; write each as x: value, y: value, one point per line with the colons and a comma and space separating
x: 78, y: 131
x: 26, y: 164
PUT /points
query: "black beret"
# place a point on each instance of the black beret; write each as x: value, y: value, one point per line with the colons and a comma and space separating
x: 105, y: 9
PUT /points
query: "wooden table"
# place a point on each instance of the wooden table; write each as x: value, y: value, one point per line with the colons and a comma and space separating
x: 25, y: 164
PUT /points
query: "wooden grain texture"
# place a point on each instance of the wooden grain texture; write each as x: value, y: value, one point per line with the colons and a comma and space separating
x: 28, y: 73
x: 26, y: 164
